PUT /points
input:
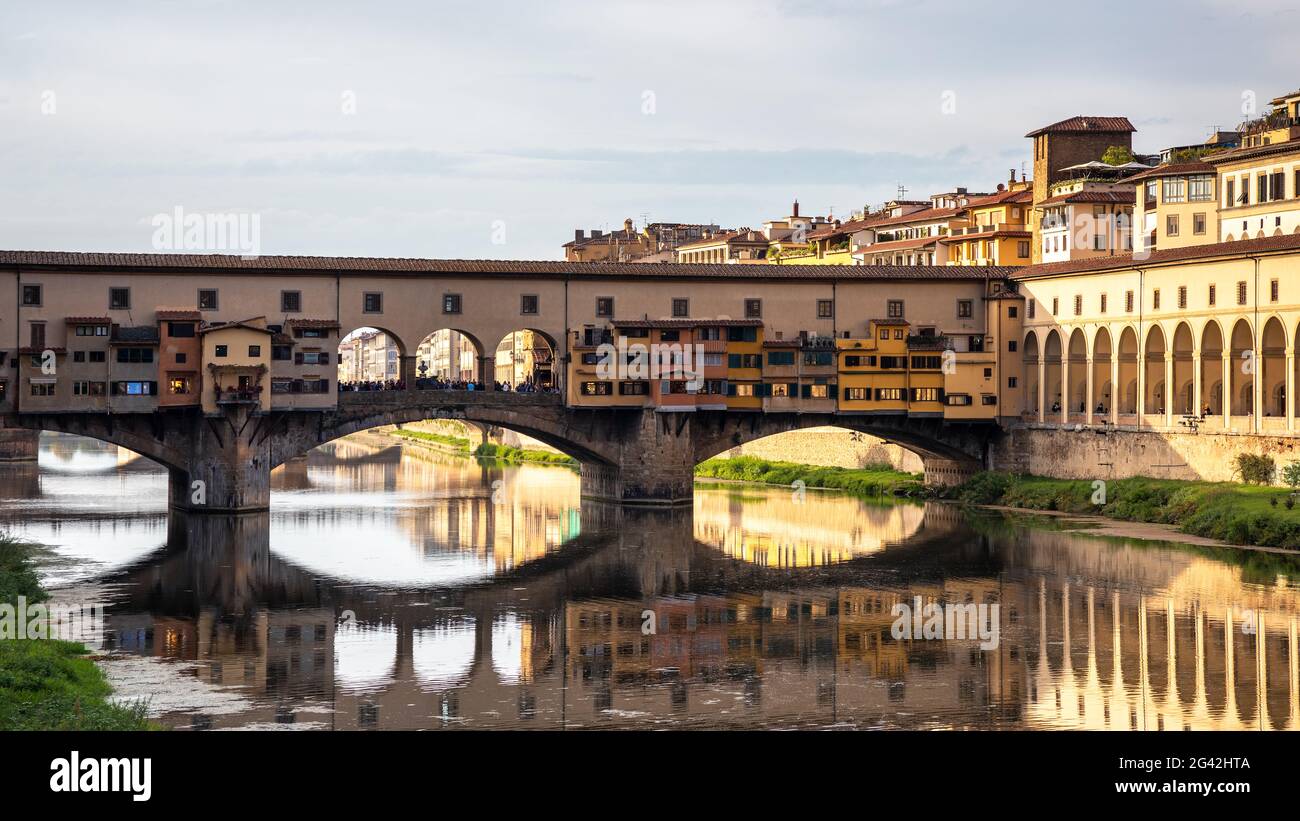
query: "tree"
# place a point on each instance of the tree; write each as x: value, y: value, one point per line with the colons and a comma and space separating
x: 1117, y: 155
x: 1291, y: 475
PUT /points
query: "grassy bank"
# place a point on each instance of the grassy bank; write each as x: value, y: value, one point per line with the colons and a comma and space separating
x: 506, y: 453
x: 1230, y: 512
x: 47, y: 684
x: 874, y: 480
x: 455, y: 443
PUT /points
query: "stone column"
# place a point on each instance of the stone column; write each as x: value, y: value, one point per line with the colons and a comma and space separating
x: 1042, y: 387
x: 1198, y: 369
x: 1227, y: 387
x: 1142, y: 383
x: 1065, y: 387
x: 1114, y: 385
x: 1091, y: 401
x: 1290, y: 390
x: 1169, y: 389
x: 1257, y: 390
x: 655, y: 465
x: 407, y: 371
x: 487, y: 372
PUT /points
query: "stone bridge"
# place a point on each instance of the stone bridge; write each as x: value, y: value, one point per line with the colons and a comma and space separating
x: 221, y: 463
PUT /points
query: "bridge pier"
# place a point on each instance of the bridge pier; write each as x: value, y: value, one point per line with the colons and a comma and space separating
x: 19, y: 445
x: 228, y: 461
x: 655, y: 462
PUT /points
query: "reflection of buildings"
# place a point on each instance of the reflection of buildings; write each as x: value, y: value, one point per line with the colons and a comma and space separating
x: 368, y: 355
x: 789, y: 529
x: 524, y: 357
x: 448, y: 355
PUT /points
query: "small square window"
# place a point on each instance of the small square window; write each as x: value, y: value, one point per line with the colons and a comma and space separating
x: 681, y: 307
x: 451, y: 303
x: 254, y: 350
x: 372, y: 302
x: 753, y: 309
x: 604, y: 306
x: 290, y: 302
x: 31, y: 296
x: 207, y: 299
x: 119, y: 299
x: 825, y: 309
x: 528, y: 304
x: 1012, y: 313
x: 220, y: 350
x: 894, y: 309
x: 965, y: 308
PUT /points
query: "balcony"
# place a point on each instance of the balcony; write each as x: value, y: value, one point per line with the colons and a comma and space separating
x: 247, y: 395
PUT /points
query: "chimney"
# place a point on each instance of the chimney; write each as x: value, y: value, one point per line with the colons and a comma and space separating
x: 627, y: 225
x: 795, y: 213
x: 578, y: 233
x: 1013, y: 175
x: 596, y: 233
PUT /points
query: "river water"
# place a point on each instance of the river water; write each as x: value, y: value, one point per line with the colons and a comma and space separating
x: 394, y: 586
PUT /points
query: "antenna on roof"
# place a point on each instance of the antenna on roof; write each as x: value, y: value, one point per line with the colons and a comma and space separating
x: 902, y: 191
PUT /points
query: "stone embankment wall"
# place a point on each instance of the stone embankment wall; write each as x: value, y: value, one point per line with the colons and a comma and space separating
x: 1120, y: 454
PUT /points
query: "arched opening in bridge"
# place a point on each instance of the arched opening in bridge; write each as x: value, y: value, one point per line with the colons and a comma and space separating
x: 1243, y: 368
x: 1211, y: 369
x: 1184, y: 390
x: 370, y: 359
x: 1053, y: 361
x: 1030, y: 376
x: 448, y: 358
x: 525, y: 361
x: 1154, y: 376
x: 1077, y: 398
x: 1102, y: 389
x: 1272, y: 373
x: 1128, y: 372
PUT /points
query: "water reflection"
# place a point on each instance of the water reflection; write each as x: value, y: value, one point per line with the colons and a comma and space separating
x: 404, y: 588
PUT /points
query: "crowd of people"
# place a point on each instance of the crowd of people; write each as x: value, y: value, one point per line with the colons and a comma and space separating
x: 437, y: 384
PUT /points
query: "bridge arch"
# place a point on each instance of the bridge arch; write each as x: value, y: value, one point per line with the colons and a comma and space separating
x: 1156, y: 394
x: 370, y: 353
x: 1183, y: 389
x: 449, y: 354
x: 949, y: 453
x: 1212, y: 369
x: 1030, y: 376
x: 526, y: 358
x: 1242, y: 369
x: 142, y: 436
x: 1103, y: 389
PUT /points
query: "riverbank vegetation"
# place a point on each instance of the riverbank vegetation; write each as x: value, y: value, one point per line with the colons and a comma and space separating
x: 455, y: 443
x: 47, y: 684
x: 1227, y: 511
x: 506, y: 453
x: 872, y: 480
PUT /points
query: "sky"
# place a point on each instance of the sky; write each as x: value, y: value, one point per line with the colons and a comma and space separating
x: 494, y: 129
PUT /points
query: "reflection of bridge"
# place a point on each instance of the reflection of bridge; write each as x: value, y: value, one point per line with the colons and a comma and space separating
x: 628, y: 455
x: 558, y: 641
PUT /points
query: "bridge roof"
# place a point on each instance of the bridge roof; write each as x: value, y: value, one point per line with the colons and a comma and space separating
x: 1236, y: 249
x: 397, y: 266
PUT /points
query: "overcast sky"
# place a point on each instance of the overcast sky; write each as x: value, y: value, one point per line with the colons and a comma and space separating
x: 494, y: 129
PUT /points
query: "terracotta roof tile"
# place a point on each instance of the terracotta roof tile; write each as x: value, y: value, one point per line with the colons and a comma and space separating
x: 1285, y: 242
x: 1173, y: 170
x: 1092, y: 197
x: 88, y: 320
x: 164, y: 314
x: 364, y: 266
x: 313, y: 323
x: 1085, y: 124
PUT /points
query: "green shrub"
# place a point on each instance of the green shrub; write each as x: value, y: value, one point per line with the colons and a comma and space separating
x: 1255, y: 469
